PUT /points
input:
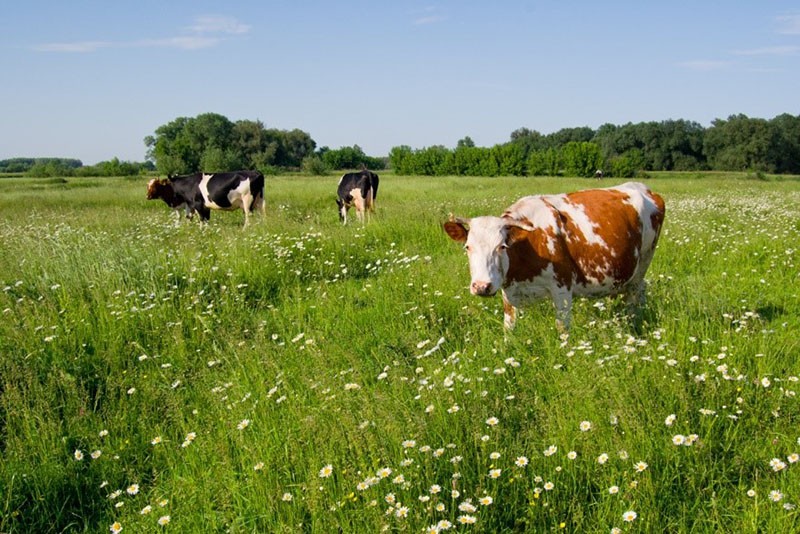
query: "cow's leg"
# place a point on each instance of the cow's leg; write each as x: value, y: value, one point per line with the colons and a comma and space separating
x: 562, y: 300
x: 635, y: 297
x: 247, y: 202
x: 509, y: 314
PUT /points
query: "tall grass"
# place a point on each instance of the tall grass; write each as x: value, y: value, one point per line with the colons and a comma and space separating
x: 301, y: 376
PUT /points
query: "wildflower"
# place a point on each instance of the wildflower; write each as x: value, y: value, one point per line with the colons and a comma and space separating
x: 156, y: 440
x: 133, y: 489
x: 390, y: 498
x: 765, y: 382
x: 572, y: 455
x: 678, y: 439
x: 287, y: 497
x: 793, y: 458
x: 548, y: 486
x: 492, y: 421
x: 585, y: 426
x: 521, y: 461
x: 409, y: 444
x: 551, y: 450
x: 751, y: 493
x: 486, y: 500
x: 629, y: 516
x: 351, y: 386
x: 115, y: 527
x: 190, y: 436
x: 401, y: 512
x: 96, y: 454
x: 494, y: 473
x: 399, y: 479
x: 467, y: 506
x: 455, y: 494
x: 439, y: 507
x: 640, y: 466
x: 613, y: 490
x: 259, y: 466
x: 406, y: 462
x: 436, y: 488
x: 603, y: 458
x: 616, y: 530
x: 78, y: 454
x: 163, y: 502
x: 103, y: 433
x: 495, y: 455
x: 467, y: 519
x: 789, y: 506
x: 777, y: 464
x: 146, y: 510
x: 326, y: 471
x: 444, y: 524
x: 429, y: 408
x: 163, y: 520
x: 775, y: 495
x: 384, y: 472
x: 244, y: 423
x: 623, y: 454
x: 131, y: 391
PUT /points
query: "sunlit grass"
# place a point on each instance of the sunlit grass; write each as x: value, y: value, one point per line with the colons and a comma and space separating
x: 303, y: 376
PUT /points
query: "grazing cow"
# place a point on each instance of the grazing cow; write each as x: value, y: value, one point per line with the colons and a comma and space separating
x: 592, y: 242
x: 200, y: 192
x: 359, y: 190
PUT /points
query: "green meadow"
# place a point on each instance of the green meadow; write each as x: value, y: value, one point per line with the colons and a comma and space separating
x: 304, y: 376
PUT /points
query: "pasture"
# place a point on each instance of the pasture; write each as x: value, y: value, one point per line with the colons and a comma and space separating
x: 302, y: 376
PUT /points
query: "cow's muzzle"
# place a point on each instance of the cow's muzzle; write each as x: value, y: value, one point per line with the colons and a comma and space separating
x: 482, y: 289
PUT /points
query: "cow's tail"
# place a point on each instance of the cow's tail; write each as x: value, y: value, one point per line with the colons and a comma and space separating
x: 257, y: 190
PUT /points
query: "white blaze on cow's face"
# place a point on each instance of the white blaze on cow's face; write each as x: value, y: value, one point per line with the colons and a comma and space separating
x: 486, y: 248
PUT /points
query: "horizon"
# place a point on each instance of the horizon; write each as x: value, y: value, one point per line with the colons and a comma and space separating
x: 90, y: 84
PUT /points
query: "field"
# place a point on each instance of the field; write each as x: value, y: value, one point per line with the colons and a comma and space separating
x: 301, y: 376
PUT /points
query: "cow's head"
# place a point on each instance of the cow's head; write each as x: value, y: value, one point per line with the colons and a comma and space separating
x: 486, y: 240
x: 155, y: 187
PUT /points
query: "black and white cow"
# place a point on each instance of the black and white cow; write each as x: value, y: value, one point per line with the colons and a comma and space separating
x: 200, y: 192
x: 359, y: 190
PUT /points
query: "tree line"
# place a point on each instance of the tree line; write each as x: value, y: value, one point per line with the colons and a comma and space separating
x: 738, y: 143
x: 51, y: 167
x: 210, y: 142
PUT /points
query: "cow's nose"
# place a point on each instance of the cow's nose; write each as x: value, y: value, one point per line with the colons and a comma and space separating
x: 481, y: 288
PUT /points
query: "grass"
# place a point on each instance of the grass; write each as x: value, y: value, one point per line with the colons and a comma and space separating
x: 215, y: 373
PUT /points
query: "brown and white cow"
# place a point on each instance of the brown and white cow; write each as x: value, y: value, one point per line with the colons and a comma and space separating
x: 587, y: 243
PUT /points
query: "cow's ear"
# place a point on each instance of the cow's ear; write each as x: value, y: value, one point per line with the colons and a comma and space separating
x: 456, y: 230
x: 516, y: 233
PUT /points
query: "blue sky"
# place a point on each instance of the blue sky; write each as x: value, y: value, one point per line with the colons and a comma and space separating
x: 90, y: 79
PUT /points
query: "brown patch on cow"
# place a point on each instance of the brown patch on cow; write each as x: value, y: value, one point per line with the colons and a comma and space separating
x: 617, y: 224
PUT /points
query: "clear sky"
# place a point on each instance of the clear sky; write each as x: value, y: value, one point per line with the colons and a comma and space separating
x: 91, y: 79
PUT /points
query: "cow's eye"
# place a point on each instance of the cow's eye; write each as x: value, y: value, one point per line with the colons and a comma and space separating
x: 503, y: 246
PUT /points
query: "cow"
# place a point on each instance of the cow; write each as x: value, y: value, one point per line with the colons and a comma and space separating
x: 201, y: 192
x: 587, y: 243
x: 359, y: 190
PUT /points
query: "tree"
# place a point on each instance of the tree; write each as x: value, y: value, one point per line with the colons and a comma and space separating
x: 581, y: 158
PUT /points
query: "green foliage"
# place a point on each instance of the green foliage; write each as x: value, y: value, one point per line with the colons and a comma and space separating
x: 349, y: 158
x: 546, y: 162
x: 314, y: 165
x: 187, y: 145
x: 581, y: 158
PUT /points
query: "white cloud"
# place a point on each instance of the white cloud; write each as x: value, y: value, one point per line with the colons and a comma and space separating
x: 769, y: 51
x: 704, y: 64
x: 84, y: 46
x: 789, y: 24
x: 201, y: 36
x: 431, y: 19
x: 218, y: 24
